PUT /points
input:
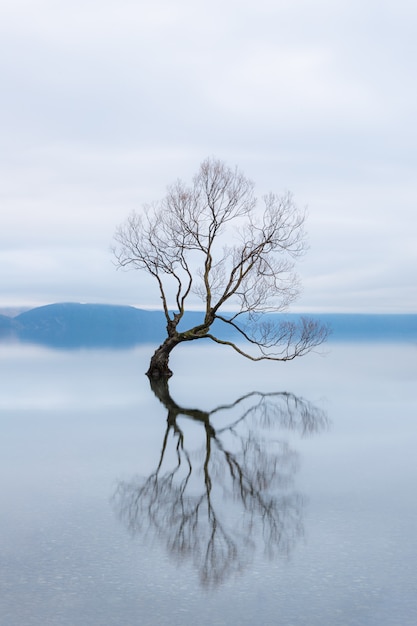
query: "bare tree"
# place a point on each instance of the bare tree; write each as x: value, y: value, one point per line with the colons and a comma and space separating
x: 211, y: 239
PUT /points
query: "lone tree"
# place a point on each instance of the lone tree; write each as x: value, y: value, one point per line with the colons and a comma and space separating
x: 213, y: 240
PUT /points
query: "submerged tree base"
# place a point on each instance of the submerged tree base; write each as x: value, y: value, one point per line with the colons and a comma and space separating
x: 157, y: 374
x: 158, y: 367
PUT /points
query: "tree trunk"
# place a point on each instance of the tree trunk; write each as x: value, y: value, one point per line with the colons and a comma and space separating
x: 158, y: 367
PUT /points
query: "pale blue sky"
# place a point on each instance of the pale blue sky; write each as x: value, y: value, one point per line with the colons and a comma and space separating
x: 106, y: 102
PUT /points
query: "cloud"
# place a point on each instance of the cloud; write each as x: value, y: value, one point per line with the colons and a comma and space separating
x: 105, y: 103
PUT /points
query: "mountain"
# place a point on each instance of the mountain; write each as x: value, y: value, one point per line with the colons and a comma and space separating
x: 5, y: 325
x: 72, y: 325
x: 89, y: 325
x: 377, y: 327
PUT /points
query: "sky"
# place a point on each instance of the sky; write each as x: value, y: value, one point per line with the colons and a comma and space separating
x: 105, y: 102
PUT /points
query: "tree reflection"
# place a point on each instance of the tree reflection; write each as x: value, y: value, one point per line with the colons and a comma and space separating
x: 220, y: 491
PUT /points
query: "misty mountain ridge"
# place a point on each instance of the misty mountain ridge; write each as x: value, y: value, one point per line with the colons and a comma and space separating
x: 74, y: 325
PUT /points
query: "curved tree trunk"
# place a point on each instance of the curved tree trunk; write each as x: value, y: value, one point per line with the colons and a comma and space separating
x: 158, y: 367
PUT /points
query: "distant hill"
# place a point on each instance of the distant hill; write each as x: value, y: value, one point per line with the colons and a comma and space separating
x: 378, y: 327
x: 89, y: 325
x: 72, y: 325
x: 5, y: 325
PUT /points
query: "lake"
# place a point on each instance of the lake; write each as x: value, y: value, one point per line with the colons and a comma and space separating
x: 243, y: 493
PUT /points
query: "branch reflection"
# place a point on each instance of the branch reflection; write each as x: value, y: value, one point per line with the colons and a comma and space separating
x: 221, y: 490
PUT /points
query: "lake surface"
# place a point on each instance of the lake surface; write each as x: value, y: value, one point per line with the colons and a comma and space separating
x: 246, y: 493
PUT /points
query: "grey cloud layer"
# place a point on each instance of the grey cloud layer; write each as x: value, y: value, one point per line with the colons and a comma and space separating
x: 104, y: 103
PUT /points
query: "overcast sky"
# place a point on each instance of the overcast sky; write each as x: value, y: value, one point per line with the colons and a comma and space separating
x: 105, y: 102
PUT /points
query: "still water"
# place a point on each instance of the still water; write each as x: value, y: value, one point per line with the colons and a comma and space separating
x: 242, y: 494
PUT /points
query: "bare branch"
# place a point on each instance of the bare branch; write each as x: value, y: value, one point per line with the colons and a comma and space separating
x: 277, y: 342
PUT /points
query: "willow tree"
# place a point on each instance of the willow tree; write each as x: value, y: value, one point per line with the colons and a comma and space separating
x: 213, y: 239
